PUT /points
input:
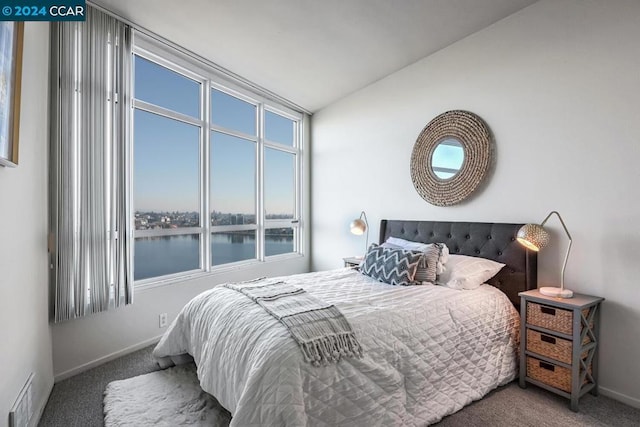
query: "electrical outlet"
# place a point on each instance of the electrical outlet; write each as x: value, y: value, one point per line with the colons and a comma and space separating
x: 162, y: 320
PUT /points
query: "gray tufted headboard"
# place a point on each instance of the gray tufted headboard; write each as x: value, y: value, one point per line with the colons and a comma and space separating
x: 496, y: 241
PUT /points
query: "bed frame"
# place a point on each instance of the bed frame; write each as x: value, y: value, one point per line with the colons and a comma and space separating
x: 496, y: 241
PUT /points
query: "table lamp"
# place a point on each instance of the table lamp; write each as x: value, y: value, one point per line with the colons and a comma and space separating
x: 535, y: 237
x: 358, y: 226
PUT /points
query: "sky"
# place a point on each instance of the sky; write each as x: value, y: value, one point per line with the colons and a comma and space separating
x: 166, y: 151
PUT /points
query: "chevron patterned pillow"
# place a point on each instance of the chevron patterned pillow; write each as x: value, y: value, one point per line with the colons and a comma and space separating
x: 432, y: 262
x: 392, y: 266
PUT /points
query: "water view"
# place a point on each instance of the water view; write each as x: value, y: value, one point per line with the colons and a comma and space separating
x: 159, y: 256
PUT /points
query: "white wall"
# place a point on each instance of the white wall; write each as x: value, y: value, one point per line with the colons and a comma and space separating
x: 24, y: 325
x: 558, y: 84
x: 83, y: 343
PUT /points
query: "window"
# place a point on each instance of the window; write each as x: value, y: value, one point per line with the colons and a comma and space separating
x: 215, y: 171
x: 166, y: 171
x: 159, y: 167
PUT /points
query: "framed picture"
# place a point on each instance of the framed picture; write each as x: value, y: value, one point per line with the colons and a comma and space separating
x: 11, y: 34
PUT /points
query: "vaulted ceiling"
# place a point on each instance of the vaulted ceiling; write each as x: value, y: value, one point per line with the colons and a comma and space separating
x: 313, y: 52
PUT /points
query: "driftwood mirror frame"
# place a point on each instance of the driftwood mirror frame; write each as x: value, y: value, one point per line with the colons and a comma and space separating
x: 474, y: 135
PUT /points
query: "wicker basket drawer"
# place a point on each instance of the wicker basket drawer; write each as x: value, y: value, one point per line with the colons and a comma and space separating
x: 553, y: 347
x: 550, y: 374
x: 552, y: 318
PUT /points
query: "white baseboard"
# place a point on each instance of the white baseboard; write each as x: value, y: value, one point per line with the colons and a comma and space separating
x: 75, y: 371
x: 628, y: 400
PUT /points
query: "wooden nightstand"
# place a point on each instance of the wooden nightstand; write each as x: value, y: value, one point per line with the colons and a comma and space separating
x: 352, y: 261
x: 559, y: 343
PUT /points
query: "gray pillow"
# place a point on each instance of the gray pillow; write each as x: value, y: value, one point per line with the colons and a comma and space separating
x: 392, y: 266
x: 427, y: 269
x: 426, y: 272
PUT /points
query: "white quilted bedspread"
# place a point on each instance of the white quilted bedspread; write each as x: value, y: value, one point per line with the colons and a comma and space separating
x: 428, y: 351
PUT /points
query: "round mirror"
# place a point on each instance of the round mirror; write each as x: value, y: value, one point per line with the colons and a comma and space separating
x: 447, y: 158
x: 451, y: 157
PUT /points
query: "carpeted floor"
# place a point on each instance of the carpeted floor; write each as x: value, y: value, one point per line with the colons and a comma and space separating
x: 512, y: 406
x: 77, y: 401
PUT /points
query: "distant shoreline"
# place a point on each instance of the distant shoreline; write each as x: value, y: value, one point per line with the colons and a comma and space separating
x: 243, y: 233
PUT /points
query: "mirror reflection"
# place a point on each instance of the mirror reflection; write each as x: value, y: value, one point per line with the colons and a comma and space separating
x: 447, y: 158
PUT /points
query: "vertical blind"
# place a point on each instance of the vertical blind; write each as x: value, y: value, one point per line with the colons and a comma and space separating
x: 89, y: 158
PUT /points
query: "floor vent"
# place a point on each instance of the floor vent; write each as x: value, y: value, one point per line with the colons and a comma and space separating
x: 22, y: 410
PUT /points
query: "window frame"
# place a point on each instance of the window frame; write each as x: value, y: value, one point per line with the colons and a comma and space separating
x: 297, y: 188
x: 210, y: 79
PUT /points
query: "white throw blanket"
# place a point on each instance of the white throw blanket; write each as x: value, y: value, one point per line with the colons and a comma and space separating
x: 427, y: 352
x: 321, y: 331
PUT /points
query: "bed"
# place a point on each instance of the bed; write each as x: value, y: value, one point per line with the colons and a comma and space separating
x: 427, y: 350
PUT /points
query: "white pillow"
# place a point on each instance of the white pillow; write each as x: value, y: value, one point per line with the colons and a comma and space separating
x: 444, y: 257
x: 468, y: 272
x: 407, y: 244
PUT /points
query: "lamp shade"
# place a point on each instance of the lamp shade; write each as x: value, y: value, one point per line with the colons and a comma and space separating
x: 358, y: 226
x: 533, y: 237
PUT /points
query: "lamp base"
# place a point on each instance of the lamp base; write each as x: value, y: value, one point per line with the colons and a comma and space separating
x: 556, y: 292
